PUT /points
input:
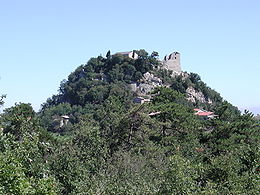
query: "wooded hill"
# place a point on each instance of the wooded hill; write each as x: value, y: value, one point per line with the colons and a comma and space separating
x: 91, y: 138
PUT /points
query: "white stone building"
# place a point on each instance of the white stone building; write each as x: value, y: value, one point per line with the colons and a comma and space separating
x: 130, y: 54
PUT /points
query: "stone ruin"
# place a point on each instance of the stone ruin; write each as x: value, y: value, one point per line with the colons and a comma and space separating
x: 172, y: 62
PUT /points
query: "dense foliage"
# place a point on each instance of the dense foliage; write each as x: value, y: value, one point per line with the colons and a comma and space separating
x: 109, y: 145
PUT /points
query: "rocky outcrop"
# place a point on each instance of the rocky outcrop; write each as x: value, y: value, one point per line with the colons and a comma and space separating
x: 150, y: 78
x: 150, y: 82
x: 144, y: 88
x: 147, y: 84
x: 194, y: 96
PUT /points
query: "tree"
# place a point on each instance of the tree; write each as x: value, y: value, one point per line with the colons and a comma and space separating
x: 181, y: 177
x: 155, y: 54
x: 165, y: 95
x: 195, y: 78
x: 1, y: 99
x: 14, y: 119
x: 227, y: 112
x: 23, y: 169
x: 78, y: 158
x: 108, y: 55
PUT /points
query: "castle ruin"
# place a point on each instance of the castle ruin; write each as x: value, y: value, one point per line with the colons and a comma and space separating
x: 172, y: 62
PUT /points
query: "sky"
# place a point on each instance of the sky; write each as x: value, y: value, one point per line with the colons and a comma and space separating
x: 43, y: 41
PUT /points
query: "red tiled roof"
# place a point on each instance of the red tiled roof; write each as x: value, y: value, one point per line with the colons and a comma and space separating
x: 204, y: 113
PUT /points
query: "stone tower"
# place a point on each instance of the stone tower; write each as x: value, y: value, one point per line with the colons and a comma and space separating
x: 172, y: 62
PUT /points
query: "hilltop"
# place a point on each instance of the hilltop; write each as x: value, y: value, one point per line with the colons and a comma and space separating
x: 131, y: 77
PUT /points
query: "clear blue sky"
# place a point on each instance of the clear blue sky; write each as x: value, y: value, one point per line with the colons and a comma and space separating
x: 42, y: 41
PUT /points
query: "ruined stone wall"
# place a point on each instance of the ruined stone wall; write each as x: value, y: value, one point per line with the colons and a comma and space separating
x: 172, y: 62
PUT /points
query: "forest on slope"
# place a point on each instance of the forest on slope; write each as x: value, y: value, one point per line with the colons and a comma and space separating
x: 91, y: 138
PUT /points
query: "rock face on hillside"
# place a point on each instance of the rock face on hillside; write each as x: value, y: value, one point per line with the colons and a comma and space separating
x: 193, y: 96
x: 148, y: 83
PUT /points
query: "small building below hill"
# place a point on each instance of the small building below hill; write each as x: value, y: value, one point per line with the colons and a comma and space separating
x: 64, y: 120
x: 141, y: 100
x: 205, y: 114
